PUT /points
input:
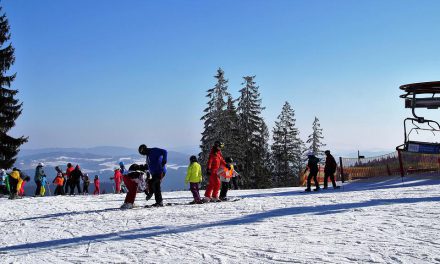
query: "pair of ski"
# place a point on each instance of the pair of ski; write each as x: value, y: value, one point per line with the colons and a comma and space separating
x: 174, y: 204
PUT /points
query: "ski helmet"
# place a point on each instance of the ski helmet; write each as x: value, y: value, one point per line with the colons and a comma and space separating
x: 96, y: 177
x: 193, y: 159
x: 41, y: 164
x: 121, y: 163
x: 229, y: 160
x: 327, y: 151
x: 143, y: 149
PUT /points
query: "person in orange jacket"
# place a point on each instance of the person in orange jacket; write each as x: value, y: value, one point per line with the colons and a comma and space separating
x: 215, y: 161
x: 59, y: 182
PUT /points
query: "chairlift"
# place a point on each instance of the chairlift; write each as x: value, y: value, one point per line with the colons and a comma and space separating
x: 421, y: 95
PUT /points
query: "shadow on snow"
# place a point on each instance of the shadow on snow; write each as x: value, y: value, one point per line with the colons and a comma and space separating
x: 150, y: 232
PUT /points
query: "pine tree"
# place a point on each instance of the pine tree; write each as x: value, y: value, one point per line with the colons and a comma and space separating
x: 315, y: 139
x: 287, y: 148
x: 214, y: 117
x: 254, y: 135
x: 231, y: 135
x: 10, y: 108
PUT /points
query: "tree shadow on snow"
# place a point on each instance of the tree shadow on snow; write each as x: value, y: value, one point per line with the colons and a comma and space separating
x: 150, y: 232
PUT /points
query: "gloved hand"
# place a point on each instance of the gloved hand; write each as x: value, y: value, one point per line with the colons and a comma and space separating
x: 208, y: 172
x: 163, y: 163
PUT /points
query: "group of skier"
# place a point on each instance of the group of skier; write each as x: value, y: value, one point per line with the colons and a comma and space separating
x: 148, y: 177
x: 12, y: 183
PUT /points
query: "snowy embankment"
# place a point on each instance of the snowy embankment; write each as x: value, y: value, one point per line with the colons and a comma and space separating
x: 378, y: 221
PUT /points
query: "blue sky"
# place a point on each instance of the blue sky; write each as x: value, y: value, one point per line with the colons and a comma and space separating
x: 121, y: 73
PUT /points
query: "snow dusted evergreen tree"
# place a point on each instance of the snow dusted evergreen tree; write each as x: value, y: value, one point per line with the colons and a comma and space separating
x: 287, y: 148
x: 10, y: 108
x: 215, y: 121
x: 315, y: 139
x: 231, y: 135
x: 254, y: 137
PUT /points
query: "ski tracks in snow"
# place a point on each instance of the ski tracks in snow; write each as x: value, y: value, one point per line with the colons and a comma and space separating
x: 388, y: 225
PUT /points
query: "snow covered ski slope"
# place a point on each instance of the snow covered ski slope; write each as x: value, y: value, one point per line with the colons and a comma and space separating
x: 381, y: 221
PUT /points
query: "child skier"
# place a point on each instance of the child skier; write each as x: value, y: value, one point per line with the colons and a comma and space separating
x: 14, y: 183
x: 59, y: 182
x: 135, y: 179
x: 21, y: 191
x: 3, y: 190
x: 43, y: 185
x: 226, y: 173
x: 96, y: 182
x: 86, y: 183
x: 194, y: 177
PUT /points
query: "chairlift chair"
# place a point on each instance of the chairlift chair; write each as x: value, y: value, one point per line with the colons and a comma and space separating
x: 421, y: 95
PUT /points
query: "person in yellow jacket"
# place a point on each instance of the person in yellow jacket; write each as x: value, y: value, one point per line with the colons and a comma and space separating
x: 15, y: 182
x: 194, y: 177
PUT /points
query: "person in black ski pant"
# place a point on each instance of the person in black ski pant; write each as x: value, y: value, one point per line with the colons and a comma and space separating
x: 312, y: 166
x: 75, y: 179
x: 86, y: 183
x: 330, y: 169
x: 156, y: 160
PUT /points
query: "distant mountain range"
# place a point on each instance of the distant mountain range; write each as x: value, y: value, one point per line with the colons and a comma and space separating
x: 99, y: 161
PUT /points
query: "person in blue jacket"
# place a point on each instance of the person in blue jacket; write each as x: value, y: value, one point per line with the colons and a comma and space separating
x: 156, y: 160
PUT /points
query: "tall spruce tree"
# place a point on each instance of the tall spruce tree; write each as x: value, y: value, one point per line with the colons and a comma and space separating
x: 287, y: 148
x: 315, y: 139
x: 253, y: 131
x: 231, y: 135
x: 215, y: 121
x: 10, y: 108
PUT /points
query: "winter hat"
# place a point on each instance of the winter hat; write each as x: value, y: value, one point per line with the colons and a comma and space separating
x: 228, y: 160
x: 310, y: 153
x: 41, y: 164
x: 121, y: 163
x: 193, y: 159
x: 327, y: 151
x: 96, y: 177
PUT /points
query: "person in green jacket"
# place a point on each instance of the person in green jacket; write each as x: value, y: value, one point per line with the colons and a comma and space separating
x: 194, y: 177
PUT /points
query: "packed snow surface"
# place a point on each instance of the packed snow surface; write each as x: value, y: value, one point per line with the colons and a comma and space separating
x: 376, y: 221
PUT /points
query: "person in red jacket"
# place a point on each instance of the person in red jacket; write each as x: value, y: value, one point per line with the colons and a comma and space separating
x: 96, y: 182
x: 117, y: 178
x: 215, y: 161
